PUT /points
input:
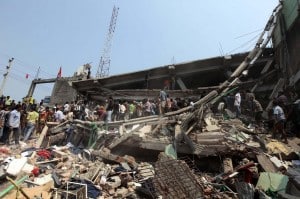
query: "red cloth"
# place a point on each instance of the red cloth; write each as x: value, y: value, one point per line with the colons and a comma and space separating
x: 248, y: 174
x: 44, y: 154
x: 35, y: 171
x: 59, y: 72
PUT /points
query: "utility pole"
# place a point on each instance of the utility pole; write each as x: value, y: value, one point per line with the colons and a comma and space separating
x: 37, y: 73
x: 5, y: 75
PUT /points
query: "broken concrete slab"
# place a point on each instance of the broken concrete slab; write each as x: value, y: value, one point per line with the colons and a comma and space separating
x: 266, y: 163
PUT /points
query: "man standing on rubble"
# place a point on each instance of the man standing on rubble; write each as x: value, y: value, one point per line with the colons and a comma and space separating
x: 132, y: 109
x: 116, y: 111
x: 14, y: 122
x: 237, y: 104
x: 162, y: 101
x: 44, y: 117
x: 109, y: 108
x: 122, y: 110
x: 280, y: 119
x: 256, y: 109
x: 5, y: 126
x: 66, y: 107
x: 31, y: 122
x: 59, y: 115
x: 146, y: 107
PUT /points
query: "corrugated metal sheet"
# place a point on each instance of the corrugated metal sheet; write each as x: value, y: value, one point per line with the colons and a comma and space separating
x: 290, y: 11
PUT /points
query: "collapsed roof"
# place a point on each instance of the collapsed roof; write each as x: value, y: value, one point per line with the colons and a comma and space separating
x: 188, y: 79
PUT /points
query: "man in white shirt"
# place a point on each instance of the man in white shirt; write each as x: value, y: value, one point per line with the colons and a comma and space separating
x: 237, y: 104
x: 14, y: 122
x: 66, y: 107
x: 280, y: 119
x: 122, y: 111
x: 59, y: 115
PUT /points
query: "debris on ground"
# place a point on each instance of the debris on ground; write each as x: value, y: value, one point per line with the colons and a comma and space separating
x: 193, y: 152
x: 218, y: 158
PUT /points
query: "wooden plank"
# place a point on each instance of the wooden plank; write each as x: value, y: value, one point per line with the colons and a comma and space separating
x: 40, y: 141
x: 42, y: 136
x: 266, y: 163
x: 49, y: 161
x: 58, y: 127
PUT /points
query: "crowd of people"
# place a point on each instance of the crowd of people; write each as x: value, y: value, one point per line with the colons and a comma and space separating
x: 20, y: 121
x: 116, y: 109
x: 283, y: 116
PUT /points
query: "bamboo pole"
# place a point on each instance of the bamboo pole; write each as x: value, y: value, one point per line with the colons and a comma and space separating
x: 18, y: 187
x: 11, y: 187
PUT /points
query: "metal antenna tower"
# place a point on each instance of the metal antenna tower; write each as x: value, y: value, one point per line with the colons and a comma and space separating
x: 104, y: 64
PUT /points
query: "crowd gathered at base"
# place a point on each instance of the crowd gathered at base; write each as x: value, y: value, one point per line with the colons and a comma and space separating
x: 23, y: 120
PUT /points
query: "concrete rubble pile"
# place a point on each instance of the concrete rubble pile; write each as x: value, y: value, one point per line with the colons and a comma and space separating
x: 193, y: 152
x: 211, y: 156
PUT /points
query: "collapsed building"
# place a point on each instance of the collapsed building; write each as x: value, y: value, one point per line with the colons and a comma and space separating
x: 189, y: 153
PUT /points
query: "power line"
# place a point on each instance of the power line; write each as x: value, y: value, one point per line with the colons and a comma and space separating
x: 16, y: 75
x: 6, y: 55
x: 35, y: 68
x: 31, y: 72
x: 42, y: 73
x: 23, y: 79
x: 17, y: 78
x: 246, y: 34
x: 25, y: 65
x: 244, y: 44
x: 17, y: 60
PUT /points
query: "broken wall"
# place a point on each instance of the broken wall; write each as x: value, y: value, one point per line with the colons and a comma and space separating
x: 63, y: 91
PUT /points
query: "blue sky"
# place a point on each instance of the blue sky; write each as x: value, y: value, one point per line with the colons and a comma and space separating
x: 149, y: 33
